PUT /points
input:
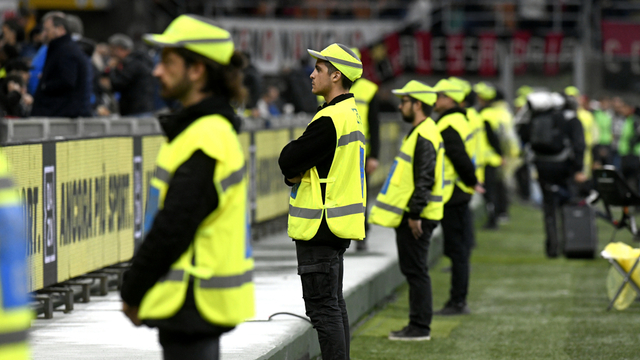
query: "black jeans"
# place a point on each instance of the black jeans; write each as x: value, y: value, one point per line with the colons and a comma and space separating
x: 457, y: 231
x: 413, y: 255
x: 490, y: 195
x: 180, y: 346
x: 321, y: 269
x: 554, y: 181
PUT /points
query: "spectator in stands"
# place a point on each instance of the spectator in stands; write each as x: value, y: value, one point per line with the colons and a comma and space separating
x: 129, y: 73
x: 14, y: 99
x: 13, y: 37
x: 269, y: 103
x: 298, y: 88
x: 253, y: 82
x: 30, y: 49
x: 63, y: 87
x: 37, y: 63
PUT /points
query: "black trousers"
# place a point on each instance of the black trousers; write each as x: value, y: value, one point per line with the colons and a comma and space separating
x: 177, y: 345
x: 457, y: 230
x: 321, y: 270
x: 491, y: 193
x: 554, y: 181
x: 413, y: 255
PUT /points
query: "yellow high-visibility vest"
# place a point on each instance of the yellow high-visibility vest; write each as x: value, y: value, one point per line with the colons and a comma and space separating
x: 460, y: 124
x: 221, y: 251
x: 397, y: 190
x: 478, y: 142
x: 345, y: 197
x: 492, y: 116
x: 589, y: 128
x: 363, y: 91
x: 15, y: 315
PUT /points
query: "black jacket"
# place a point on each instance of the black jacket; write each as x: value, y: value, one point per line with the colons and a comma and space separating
x: 572, y: 131
x: 374, y: 127
x: 63, y: 90
x: 424, y: 168
x: 316, y: 147
x: 455, y: 150
x: 133, y: 80
x: 191, y: 197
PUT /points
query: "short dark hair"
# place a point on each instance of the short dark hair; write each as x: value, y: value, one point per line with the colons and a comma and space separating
x: 346, y: 83
x: 222, y: 80
x: 426, y: 109
x: 58, y: 19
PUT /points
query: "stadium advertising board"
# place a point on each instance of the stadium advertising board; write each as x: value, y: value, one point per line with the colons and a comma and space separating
x: 621, y: 50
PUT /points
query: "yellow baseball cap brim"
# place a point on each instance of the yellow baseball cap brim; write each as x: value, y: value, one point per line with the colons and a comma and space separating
x: 418, y: 91
x: 342, y: 58
x: 449, y: 89
x: 198, y: 34
x: 572, y: 91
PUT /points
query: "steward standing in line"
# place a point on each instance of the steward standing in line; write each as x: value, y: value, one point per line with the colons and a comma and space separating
x: 325, y: 166
x: 493, y: 151
x: 365, y: 93
x: 411, y: 202
x: 457, y: 226
x: 15, y: 314
x: 192, y: 275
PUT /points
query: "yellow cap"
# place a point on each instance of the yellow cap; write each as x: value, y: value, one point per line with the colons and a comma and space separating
x: 357, y: 52
x: 524, y: 90
x: 342, y: 58
x: 198, y: 34
x: 418, y: 91
x: 462, y: 84
x: 450, y: 89
x: 520, y: 101
x: 485, y: 91
x: 572, y: 91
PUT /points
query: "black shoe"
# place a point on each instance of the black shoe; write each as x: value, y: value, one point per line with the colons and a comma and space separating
x: 451, y: 309
x: 410, y: 333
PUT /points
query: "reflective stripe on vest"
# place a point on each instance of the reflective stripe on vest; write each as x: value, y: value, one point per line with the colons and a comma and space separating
x: 345, y: 188
x: 393, y: 199
x: 219, y: 256
x: 214, y: 282
x: 5, y: 183
x: 13, y: 337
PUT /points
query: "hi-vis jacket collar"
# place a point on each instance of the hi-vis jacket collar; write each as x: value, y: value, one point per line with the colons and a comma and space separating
x: 343, y: 58
x: 450, y: 89
x: 198, y: 34
x: 418, y: 91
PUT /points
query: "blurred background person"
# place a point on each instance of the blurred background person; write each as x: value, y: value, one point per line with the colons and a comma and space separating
x: 253, y: 83
x: 602, y: 154
x: 269, y: 103
x: 129, y: 73
x: 63, y: 86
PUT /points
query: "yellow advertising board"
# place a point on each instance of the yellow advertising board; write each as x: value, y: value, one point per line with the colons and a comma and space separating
x: 26, y: 168
x: 272, y: 194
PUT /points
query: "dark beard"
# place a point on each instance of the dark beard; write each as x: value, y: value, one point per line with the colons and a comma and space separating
x: 178, y: 91
x: 408, y: 119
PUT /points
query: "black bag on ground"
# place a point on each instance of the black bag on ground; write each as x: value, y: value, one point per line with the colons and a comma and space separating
x: 547, y: 132
x: 579, y: 232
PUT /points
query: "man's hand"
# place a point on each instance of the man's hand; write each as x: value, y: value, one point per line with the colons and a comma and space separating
x: 580, y: 177
x: 416, y: 227
x: 371, y: 166
x: 479, y: 188
x: 132, y: 313
x: 295, y: 180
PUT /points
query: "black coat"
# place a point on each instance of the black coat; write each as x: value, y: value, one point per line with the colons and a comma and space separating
x: 63, y: 90
x: 133, y: 80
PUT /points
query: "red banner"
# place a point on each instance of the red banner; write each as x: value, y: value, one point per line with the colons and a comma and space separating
x: 392, y: 43
x: 368, y: 66
x: 455, y: 55
x: 552, y: 47
x: 488, y: 53
x: 519, y: 48
x: 620, y: 38
x: 423, y: 52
